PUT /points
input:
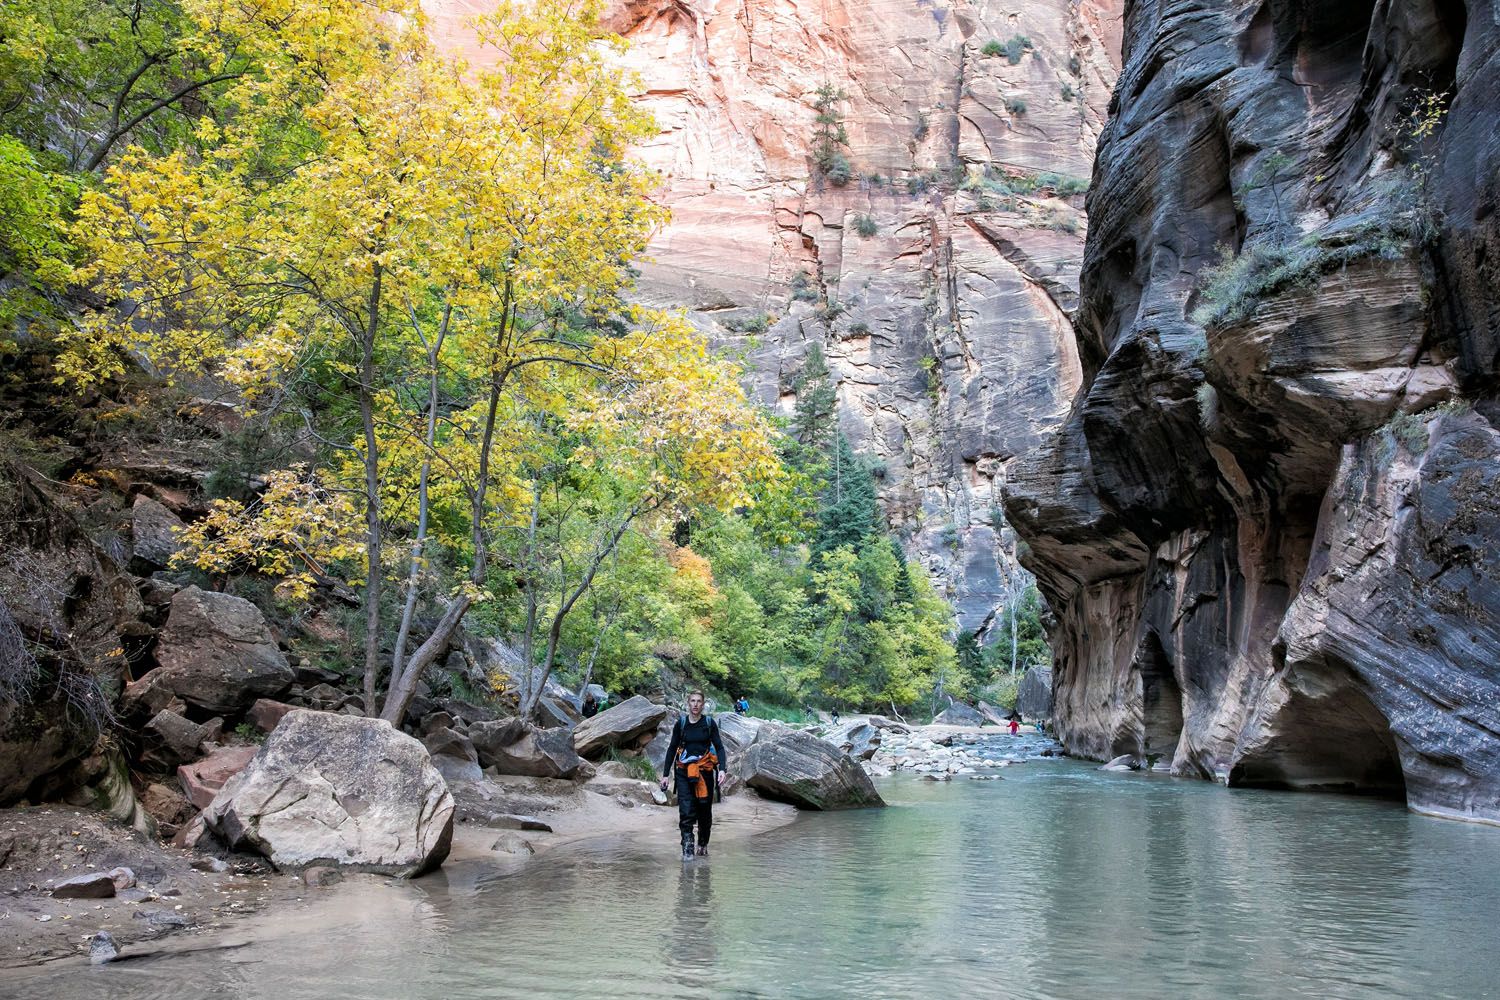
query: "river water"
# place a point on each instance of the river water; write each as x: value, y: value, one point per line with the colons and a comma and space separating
x: 1058, y: 881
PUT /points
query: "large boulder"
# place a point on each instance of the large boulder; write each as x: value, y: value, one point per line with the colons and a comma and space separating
x: 336, y: 789
x: 881, y: 722
x: 622, y: 725
x: 810, y: 773
x: 557, y: 713
x: 216, y: 653
x: 514, y: 747
x: 1034, y: 696
x: 959, y: 714
x: 489, y: 737
x: 858, y: 739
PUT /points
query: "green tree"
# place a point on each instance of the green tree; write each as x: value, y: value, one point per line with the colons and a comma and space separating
x: 829, y: 135
x: 817, y: 398
x: 849, y: 513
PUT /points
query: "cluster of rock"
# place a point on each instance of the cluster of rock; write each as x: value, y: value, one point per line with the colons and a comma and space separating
x: 942, y: 754
x: 1266, y: 528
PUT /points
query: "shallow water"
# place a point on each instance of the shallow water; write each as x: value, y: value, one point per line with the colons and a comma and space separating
x: 1059, y: 881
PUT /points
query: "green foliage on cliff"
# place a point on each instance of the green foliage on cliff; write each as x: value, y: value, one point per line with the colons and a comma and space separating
x: 1013, y: 49
x: 829, y: 135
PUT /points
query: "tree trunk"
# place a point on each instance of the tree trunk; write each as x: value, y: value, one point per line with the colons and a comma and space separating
x: 419, y: 543
x: 373, y: 537
x: 554, y: 631
x: 404, y: 681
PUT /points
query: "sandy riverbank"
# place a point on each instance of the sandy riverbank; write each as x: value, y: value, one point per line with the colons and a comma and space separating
x: 174, y: 906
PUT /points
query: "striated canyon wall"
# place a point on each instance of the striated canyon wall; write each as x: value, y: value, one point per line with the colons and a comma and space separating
x: 940, y: 280
x: 1269, y: 526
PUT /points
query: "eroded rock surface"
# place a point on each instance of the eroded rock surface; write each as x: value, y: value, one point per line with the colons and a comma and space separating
x: 1250, y: 527
x: 1034, y: 695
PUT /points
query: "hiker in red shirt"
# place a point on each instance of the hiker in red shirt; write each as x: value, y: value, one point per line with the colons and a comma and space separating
x: 1015, y: 727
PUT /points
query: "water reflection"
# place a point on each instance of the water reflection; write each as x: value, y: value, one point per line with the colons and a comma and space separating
x: 1057, y: 882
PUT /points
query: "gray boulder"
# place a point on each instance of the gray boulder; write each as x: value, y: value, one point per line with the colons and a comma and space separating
x: 810, y: 773
x: 153, y: 531
x: 94, y: 885
x: 622, y: 725
x: 655, y: 751
x: 859, y: 740
x: 102, y: 949
x: 1034, y: 696
x: 489, y: 737
x: 533, y: 752
x: 881, y: 722
x: 338, y: 790
x: 959, y: 714
x: 445, y: 742
x: 453, y: 754
x: 215, y: 652
x: 169, y: 740
x: 557, y: 713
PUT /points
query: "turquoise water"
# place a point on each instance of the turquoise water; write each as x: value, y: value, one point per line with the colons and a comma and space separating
x: 1059, y: 881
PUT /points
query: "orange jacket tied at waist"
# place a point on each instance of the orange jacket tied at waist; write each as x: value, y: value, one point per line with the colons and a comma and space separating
x: 699, y: 770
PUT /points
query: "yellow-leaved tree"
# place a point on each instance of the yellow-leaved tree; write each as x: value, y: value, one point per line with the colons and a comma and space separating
x: 444, y: 251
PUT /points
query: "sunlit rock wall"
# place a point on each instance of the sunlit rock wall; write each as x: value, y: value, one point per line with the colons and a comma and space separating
x: 952, y: 349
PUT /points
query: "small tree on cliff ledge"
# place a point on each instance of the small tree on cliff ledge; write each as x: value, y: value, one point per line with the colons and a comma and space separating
x: 829, y: 135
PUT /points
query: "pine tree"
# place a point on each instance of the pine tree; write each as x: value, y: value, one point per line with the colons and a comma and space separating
x: 829, y: 135
x: 813, y: 417
x: 849, y: 513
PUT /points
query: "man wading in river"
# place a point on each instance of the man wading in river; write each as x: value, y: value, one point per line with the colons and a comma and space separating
x: 694, y: 758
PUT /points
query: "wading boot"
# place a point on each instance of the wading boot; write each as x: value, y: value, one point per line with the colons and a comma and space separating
x: 687, y: 847
x: 702, y: 850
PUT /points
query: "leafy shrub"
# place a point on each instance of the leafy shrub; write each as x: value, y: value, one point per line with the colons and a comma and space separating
x: 865, y: 226
x: 838, y: 170
x: 759, y: 323
x: 636, y: 764
x: 1409, y: 429
x: 804, y: 289
x: 1012, y: 50
x: 1233, y: 287
x: 1015, y: 106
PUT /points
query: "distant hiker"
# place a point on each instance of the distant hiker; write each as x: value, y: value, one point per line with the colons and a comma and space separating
x: 694, y: 759
x: 1015, y: 727
x: 835, y: 716
x: 590, y: 706
x: 742, y: 705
